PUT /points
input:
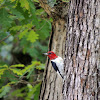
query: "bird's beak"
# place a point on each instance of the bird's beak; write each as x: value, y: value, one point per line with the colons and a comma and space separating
x: 45, y: 54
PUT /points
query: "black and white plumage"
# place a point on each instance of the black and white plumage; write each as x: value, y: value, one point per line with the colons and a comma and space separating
x: 57, y: 63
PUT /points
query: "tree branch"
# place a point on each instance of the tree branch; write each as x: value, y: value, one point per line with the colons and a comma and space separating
x: 56, y: 12
x: 46, y: 7
x: 5, y: 38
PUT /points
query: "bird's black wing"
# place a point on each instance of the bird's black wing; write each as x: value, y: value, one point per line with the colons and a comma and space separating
x: 56, y: 68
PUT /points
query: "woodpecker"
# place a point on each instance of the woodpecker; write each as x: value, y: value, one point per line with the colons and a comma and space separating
x: 57, y: 62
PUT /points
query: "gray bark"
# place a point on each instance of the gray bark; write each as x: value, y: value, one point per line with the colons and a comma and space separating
x: 75, y: 37
x: 52, y: 83
x: 82, y: 51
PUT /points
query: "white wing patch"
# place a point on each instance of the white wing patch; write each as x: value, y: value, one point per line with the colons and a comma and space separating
x: 60, y: 64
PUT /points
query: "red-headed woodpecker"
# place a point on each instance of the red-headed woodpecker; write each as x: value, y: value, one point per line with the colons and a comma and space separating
x: 56, y: 61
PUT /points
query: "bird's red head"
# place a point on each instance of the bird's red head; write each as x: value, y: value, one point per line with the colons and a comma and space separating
x: 51, y: 55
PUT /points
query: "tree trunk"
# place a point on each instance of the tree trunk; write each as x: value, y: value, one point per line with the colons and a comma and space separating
x: 82, y: 51
x: 52, y: 83
x: 74, y: 37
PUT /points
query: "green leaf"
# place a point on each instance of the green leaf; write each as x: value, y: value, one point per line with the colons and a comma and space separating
x: 40, y: 67
x: 4, y: 90
x: 44, y: 30
x: 16, y: 71
x: 30, y: 72
x: 24, y: 3
x: 29, y: 25
x: 24, y: 44
x: 32, y: 36
x: 8, y: 75
x: 36, y: 49
x: 30, y: 67
x: 15, y: 28
x: 19, y: 92
x: 30, y: 93
x: 5, y: 21
x: 18, y: 65
x: 35, y: 21
x: 37, y: 91
x: 33, y: 52
x: 2, y: 72
x: 23, y: 33
x: 33, y: 92
x: 39, y: 11
x: 4, y: 66
x: 16, y: 13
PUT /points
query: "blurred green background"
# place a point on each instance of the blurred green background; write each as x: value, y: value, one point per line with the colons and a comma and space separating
x: 24, y: 34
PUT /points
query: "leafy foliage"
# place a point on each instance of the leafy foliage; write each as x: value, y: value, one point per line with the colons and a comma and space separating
x: 4, y: 90
x: 33, y: 91
x: 13, y: 69
x: 24, y: 28
x: 19, y: 92
x: 18, y: 65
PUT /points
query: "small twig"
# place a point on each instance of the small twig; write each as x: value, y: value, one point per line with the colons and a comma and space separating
x: 9, y: 78
x: 26, y: 82
x: 5, y: 38
x: 41, y: 26
x: 33, y: 75
x: 19, y: 76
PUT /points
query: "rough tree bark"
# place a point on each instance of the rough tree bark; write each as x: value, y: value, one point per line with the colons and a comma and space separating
x: 74, y: 37
x: 82, y: 51
x: 52, y: 84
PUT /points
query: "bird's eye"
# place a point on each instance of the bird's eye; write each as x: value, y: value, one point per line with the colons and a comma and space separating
x: 50, y: 53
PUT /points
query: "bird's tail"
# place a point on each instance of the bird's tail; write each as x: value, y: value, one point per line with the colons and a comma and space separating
x: 60, y: 74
